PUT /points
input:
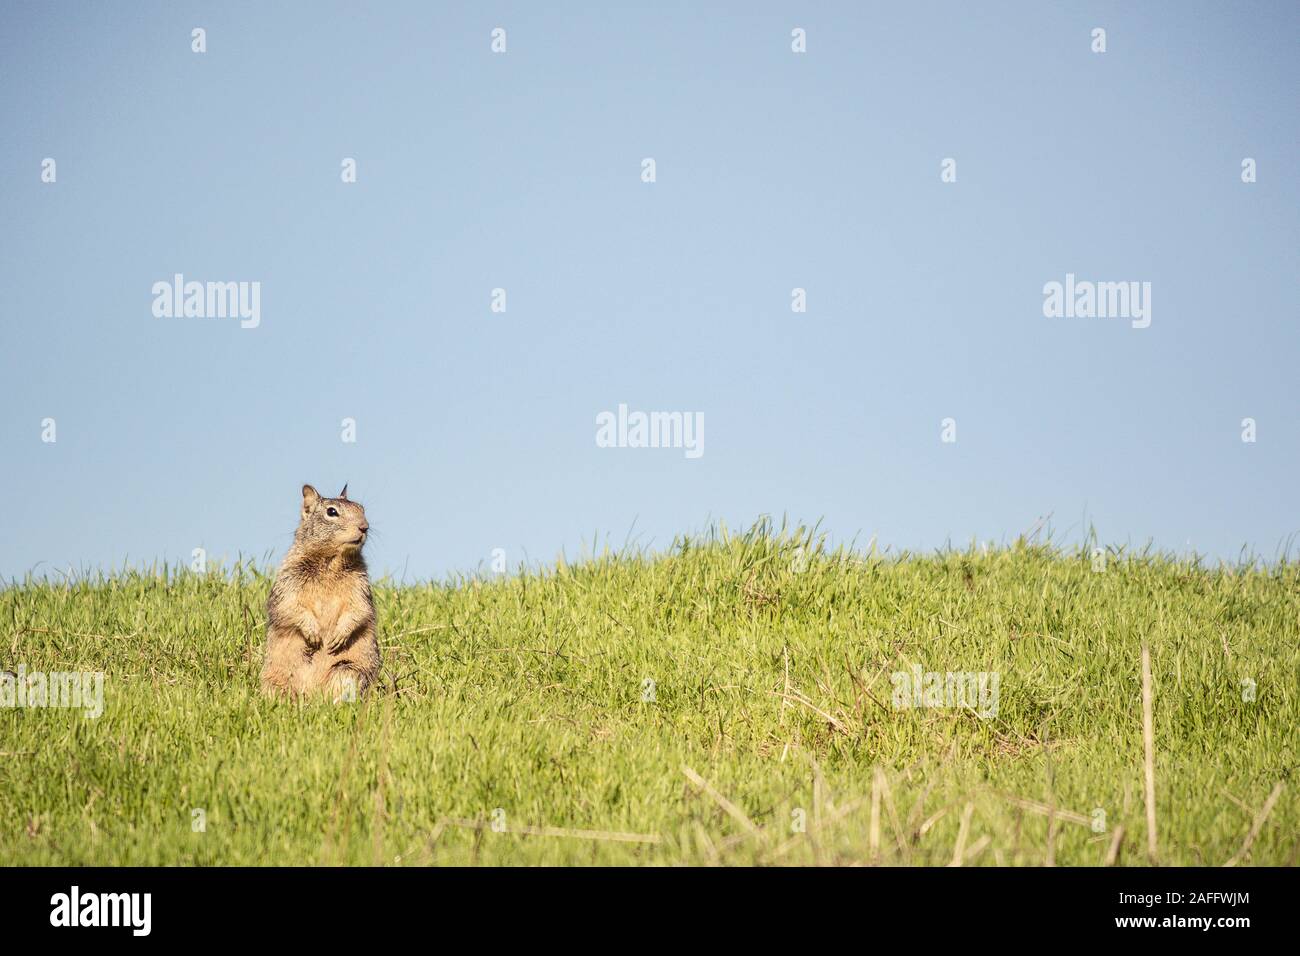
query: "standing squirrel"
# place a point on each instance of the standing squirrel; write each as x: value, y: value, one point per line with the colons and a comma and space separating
x: 320, y: 617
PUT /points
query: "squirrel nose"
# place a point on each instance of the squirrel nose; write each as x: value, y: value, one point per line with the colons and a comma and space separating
x: 365, y: 528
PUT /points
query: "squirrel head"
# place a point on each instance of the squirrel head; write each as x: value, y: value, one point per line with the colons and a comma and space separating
x: 332, y: 525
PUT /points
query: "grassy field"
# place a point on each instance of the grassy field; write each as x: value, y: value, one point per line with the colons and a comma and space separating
x: 729, y: 701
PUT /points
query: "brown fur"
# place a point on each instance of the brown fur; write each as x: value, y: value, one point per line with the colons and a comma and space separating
x: 321, y: 629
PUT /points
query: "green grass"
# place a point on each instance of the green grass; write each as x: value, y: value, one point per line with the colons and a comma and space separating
x: 524, y: 693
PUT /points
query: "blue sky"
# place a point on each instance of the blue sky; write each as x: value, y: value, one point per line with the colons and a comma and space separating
x: 774, y: 170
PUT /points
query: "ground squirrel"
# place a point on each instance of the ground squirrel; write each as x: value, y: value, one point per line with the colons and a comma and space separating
x: 320, y: 617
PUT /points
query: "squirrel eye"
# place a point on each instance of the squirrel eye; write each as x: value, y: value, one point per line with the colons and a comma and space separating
x: 332, y: 512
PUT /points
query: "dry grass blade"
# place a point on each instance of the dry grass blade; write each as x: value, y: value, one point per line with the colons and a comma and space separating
x: 1149, y: 751
x: 611, y: 835
x: 963, y: 830
x: 732, y: 810
x: 873, y: 841
x: 978, y: 847
x: 1257, y: 825
x: 799, y: 698
x: 1116, y: 841
x: 1033, y: 806
x: 825, y: 824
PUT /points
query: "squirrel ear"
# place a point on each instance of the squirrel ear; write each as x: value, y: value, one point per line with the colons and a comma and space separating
x: 344, y: 493
x: 309, y: 498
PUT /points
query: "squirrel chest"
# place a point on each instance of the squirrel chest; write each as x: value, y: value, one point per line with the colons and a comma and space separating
x: 325, y: 604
